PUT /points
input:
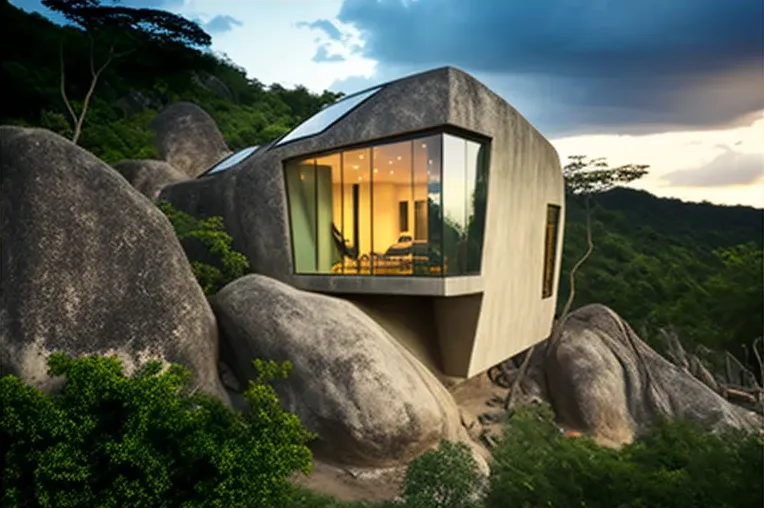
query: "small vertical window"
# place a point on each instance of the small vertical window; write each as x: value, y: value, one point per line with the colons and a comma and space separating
x: 550, y: 248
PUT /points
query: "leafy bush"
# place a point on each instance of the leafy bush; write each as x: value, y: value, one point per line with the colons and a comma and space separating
x: 678, y: 464
x: 444, y: 478
x: 109, y: 440
x: 208, y: 246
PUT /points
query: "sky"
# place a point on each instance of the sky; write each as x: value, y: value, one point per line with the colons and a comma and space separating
x: 676, y: 84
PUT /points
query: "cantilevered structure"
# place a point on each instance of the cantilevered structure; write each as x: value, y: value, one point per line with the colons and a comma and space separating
x: 429, y: 201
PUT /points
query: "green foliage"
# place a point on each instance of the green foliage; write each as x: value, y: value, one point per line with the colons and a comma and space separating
x: 150, y: 64
x: 592, y: 176
x: 208, y: 245
x: 444, y: 478
x: 660, y: 262
x: 677, y: 464
x: 157, y: 26
x: 109, y: 440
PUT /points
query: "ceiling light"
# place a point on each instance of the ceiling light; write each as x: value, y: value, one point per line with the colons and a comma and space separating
x: 355, y: 166
x: 424, y: 145
x: 376, y: 170
x: 360, y: 156
x: 302, y: 176
x: 429, y: 161
x: 389, y: 162
x: 391, y: 171
x: 399, y: 157
x: 360, y: 178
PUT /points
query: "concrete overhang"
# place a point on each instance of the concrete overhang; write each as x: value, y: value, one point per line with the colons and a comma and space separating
x: 390, y: 285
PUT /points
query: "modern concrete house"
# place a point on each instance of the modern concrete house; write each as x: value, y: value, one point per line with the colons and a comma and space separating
x: 429, y: 201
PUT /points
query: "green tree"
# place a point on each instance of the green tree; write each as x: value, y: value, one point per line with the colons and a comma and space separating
x: 447, y: 477
x: 128, y: 25
x: 674, y: 465
x: 584, y: 179
x: 209, y: 247
x: 111, y: 440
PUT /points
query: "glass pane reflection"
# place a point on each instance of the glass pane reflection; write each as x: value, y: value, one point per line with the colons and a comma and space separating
x: 327, y: 116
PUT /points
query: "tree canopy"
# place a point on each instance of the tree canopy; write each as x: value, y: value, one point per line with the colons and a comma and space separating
x: 157, y: 26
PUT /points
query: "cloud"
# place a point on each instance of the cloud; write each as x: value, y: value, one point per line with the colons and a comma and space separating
x: 325, y: 26
x: 322, y: 55
x: 220, y: 24
x: 729, y: 168
x: 586, y: 66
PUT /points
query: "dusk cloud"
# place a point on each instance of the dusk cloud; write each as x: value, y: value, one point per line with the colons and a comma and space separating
x: 323, y: 55
x: 325, y: 26
x: 220, y: 24
x: 729, y: 168
x: 587, y: 66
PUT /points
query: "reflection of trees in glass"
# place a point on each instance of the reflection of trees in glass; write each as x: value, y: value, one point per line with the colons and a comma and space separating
x: 462, y: 246
x: 476, y: 221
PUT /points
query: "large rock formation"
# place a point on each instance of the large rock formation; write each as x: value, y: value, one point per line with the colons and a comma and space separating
x: 149, y: 177
x: 370, y: 401
x: 188, y: 138
x: 604, y: 380
x: 90, y: 266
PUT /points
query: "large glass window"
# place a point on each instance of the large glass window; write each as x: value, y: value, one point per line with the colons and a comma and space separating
x: 399, y: 208
x: 550, y: 248
x: 327, y: 116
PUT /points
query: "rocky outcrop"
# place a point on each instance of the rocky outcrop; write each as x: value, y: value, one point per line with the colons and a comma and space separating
x: 214, y: 84
x: 136, y: 101
x: 149, y: 177
x: 90, y: 266
x: 371, y: 402
x: 188, y: 138
x: 604, y: 380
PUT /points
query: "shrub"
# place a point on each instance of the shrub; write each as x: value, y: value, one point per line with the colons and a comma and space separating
x: 209, y: 248
x: 444, y: 478
x: 677, y: 464
x: 109, y: 440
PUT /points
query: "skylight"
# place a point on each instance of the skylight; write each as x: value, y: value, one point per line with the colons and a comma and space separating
x: 327, y: 116
x: 232, y: 160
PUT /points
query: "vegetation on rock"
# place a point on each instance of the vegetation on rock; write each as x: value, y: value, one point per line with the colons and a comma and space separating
x: 111, y: 440
x: 208, y: 240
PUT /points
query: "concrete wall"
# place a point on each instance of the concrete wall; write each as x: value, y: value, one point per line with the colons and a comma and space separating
x: 525, y: 177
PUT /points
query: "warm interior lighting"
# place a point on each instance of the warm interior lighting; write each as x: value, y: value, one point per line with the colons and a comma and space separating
x: 302, y: 176
x: 376, y: 170
x: 399, y: 157
x: 355, y: 166
x: 360, y: 156
x: 392, y: 172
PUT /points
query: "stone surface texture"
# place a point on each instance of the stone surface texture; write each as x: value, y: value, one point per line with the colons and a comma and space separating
x: 149, y: 176
x: 91, y: 266
x: 604, y: 380
x: 188, y: 138
x: 370, y: 401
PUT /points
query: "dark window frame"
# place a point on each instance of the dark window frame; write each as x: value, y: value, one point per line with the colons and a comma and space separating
x: 551, y: 239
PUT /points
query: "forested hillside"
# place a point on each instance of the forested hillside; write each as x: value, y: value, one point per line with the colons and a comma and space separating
x: 133, y: 87
x: 657, y: 262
